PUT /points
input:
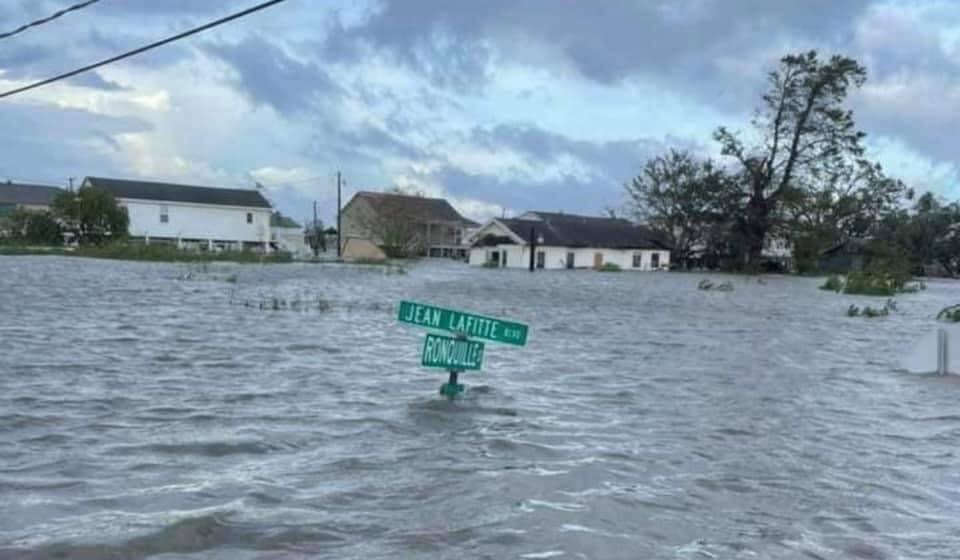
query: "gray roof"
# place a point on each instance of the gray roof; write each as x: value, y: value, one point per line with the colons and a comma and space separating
x: 419, y: 208
x: 34, y: 195
x: 148, y: 190
x: 571, y: 230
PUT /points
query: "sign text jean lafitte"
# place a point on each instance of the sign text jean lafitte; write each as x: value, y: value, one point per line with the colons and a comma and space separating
x: 467, y: 324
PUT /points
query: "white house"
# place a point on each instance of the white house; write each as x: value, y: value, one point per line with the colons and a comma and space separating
x: 191, y: 216
x: 288, y: 236
x: 567, y: 241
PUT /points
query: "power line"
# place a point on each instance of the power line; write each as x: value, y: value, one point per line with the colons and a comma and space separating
x: 41, y: 21
x: 142, y: 49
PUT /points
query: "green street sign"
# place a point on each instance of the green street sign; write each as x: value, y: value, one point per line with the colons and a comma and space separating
x: 455, y: 354
x: 468, y: 324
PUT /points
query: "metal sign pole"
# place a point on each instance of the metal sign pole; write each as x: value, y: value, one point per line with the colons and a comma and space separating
x: 452, y: 387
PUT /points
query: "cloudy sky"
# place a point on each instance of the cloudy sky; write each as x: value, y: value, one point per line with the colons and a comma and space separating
x: 500, y: 105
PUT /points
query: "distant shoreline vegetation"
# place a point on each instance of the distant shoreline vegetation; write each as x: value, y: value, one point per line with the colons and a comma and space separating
x: 149, y: 253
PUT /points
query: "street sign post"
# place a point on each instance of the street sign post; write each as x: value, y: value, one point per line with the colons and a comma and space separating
x: 458, y: 353
x: 447, y: 352
x: 460, y: 322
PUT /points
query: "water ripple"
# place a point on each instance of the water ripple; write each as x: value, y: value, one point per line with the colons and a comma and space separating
x: 144, y: 415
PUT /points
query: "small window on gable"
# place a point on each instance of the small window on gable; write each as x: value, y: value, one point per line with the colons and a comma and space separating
x: 249, y: 217
x: 164, y: 214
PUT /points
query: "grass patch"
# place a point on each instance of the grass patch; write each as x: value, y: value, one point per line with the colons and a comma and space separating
x: 138, y: 252
x: 170, y: 253
x: 17, y: 250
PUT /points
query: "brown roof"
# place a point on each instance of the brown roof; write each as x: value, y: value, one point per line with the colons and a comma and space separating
x: 416, y: 207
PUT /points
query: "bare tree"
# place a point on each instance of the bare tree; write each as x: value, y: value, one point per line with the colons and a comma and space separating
x: 396, y: 221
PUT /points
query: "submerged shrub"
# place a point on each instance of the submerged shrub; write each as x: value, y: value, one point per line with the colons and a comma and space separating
x: 871, y: 284
x: 610, y: 267
x: 833, y: 284
x: 951, y: 314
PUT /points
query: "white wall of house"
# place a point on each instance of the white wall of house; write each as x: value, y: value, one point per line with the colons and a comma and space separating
x: 555, y: 258
x: 206, y: 222
x: 291, y: 240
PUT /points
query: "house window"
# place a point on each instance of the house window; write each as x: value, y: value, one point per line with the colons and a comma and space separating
x: 571, y: 262
x: 637, y: 260
x: 655, y: 261
x: 249, y: 217
x: 164, y: 214
x: 541, y: 259
x: 495, y: 258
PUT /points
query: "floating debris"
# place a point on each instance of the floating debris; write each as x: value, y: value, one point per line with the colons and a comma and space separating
x: 708, y: 285
x: 870, y: 312
x: 284, y: 304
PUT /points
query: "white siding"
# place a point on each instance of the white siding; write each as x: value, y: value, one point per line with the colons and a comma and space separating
x: 291, y: 240
x: 478, y: 256
x: 197, y: 221
x: 518, y: 256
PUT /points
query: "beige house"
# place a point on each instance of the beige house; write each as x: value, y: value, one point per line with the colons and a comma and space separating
x: 399, y: 225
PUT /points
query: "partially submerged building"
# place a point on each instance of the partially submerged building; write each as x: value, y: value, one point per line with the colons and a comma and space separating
x: 192, y: 216
x: 380, y: 225
x: 567, y: 241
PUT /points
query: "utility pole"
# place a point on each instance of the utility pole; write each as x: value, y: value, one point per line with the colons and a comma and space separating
x: 533, y: 247
x: 315, y: 234
x: 339, y: 225
x: 71, y: 183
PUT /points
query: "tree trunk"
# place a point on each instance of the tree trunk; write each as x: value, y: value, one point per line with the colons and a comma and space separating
x: 757, y: 225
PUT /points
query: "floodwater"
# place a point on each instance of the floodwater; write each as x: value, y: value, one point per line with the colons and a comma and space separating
x: 167, y: 411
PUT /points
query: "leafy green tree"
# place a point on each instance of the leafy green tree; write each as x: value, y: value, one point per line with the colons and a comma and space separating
x: 684, y: 198
x: 926, y: 235
x: 34, y: 226
x: 44, y: 229
x: 848, y: 204
x: 803, y: 136
x: 92, y: 215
